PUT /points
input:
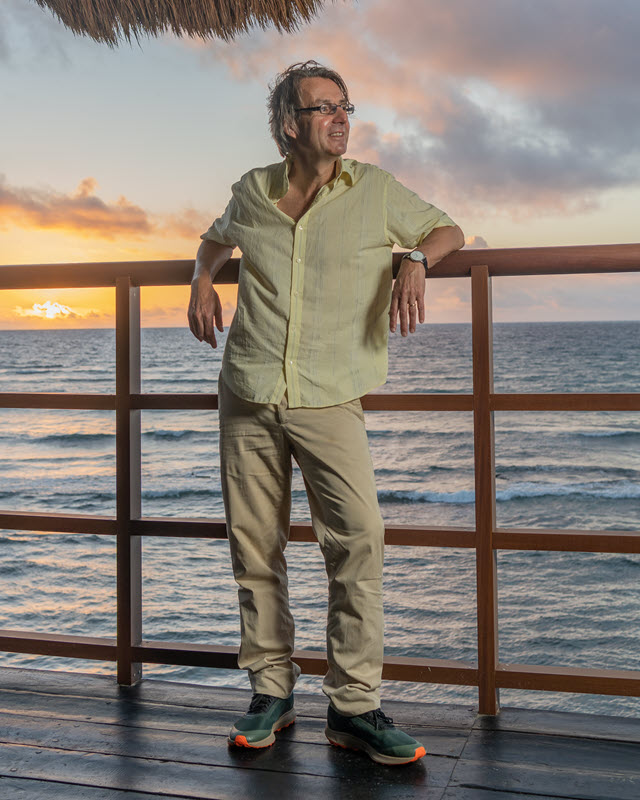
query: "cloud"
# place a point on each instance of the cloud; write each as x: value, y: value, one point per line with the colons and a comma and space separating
x: 475, y: 243
x: 187, y: 224
x: 85, y: 214
x: 497, y: 107
x: 81, y: 212
x: 55, y: 310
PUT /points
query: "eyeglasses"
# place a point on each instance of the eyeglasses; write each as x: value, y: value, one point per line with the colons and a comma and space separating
x: 330, y: 108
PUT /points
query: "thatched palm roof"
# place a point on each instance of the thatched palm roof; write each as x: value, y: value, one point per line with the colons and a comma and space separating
x: 112, y: 21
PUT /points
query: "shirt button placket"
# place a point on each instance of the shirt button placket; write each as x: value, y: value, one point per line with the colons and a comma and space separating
x: 297, y: 273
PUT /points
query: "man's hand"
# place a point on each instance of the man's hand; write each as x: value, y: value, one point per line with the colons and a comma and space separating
x: 407, y: 297
x: 204, y: 308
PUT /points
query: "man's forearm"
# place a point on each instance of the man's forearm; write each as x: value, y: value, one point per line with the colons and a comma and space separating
x: 210, y: 259
x: 440, y: 242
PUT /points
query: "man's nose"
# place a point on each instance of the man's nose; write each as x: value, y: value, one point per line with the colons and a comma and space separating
x: 340, y: 115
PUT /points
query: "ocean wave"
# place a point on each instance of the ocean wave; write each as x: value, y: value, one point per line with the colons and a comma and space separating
x: 411, y: 433
x: 71, y: 439
x: 623, y: 490
x: 172, y: 494
x: 167, y: 434
x: 584, y: 470
x: 625, y: 434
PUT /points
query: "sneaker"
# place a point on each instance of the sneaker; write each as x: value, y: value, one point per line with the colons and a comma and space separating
x: 266, y: 715
x: 374, y: 733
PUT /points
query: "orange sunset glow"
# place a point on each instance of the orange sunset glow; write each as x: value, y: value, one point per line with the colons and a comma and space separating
x: 160, y: 307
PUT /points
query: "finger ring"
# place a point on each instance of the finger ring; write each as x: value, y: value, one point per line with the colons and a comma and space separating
x: 413, y: 304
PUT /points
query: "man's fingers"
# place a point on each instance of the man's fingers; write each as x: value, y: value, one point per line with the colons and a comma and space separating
x: 421, y: 308
x: 209, y: 334
x: 413, y: 313
x: 194, y: 323
x: 393, y: 313
x: 404, y: 319
x: 218, y: 314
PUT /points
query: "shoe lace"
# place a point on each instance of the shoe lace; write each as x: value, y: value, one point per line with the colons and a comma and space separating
x: 260, y: 703
x: 379, y: 719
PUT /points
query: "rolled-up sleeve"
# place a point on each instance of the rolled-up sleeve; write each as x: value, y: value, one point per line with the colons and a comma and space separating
x: 221, y: 228
x: 409, y: 218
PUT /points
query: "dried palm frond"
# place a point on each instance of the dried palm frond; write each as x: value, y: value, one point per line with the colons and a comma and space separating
x: 112, y: 21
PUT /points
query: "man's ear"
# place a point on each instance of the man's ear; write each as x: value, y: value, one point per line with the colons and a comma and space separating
x: 291, y: 131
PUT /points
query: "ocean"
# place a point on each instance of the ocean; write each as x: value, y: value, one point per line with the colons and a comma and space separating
x: 554, y: 470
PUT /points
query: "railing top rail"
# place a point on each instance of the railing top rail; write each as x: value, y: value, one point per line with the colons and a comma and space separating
x: 578, y: 259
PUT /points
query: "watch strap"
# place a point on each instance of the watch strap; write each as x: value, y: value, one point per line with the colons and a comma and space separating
x: 422, y: 259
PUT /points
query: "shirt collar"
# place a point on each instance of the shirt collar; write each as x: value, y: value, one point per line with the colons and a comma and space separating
x: 280, y: 184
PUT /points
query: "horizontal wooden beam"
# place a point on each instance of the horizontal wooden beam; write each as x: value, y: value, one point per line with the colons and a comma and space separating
x: 581, y: 259
x: 87, y: 402
x: 175, y: 402
x: 623, y: 401
x: 57, y: 523
x: 409, y: 535
x: 418, y: 536
x: 417, y: 402
x: 403, y: 534
x: 370, y: 402
x: 577, y: 541
x: 179, y: 528
x: 312, y: 662
x: 52, y: 644
x: 569, y: 679
x: 422, y: 670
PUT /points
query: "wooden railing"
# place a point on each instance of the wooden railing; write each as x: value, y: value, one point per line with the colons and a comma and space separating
x: 130, y: 650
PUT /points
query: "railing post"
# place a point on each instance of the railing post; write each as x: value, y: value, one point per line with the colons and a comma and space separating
x: 128, y: 480
x: 484, y: 456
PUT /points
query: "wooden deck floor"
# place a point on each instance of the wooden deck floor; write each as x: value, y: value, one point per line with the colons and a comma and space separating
x: 78, y: 737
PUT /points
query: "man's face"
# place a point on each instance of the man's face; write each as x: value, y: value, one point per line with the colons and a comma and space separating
x: 320, y: 135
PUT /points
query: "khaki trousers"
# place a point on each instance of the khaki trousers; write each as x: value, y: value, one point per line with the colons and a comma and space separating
x: 257, y: 441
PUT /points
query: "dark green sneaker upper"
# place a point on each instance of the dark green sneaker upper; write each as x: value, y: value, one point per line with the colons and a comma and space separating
x: 266, y: 714
x: 375, y: 733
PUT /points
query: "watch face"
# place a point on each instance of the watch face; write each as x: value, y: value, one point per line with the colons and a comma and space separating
x: 415, y: 256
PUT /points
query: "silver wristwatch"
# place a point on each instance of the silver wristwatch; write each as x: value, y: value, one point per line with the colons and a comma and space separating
x: 416, y: 255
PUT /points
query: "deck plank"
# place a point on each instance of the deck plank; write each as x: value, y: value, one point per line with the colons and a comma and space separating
x: 81, y: 737
x: 210, y: 782
x: 203, y: 749
x: 173, y: 693
x: 567, y: 783
x: 592, y: 726
x: 553, y: 751
x: 438, y: 741
x: 462, y: 793
x: 27, y: 789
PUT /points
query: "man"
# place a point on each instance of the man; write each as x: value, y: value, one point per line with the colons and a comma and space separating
x: 308, y: 339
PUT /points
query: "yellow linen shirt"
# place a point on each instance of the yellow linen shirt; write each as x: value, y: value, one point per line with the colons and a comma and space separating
x: 314, y: 295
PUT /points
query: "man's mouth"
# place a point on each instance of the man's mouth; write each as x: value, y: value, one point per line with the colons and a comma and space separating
x: 335, y: 135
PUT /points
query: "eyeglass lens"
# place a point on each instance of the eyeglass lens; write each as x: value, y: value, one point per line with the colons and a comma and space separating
x: 331, y: 108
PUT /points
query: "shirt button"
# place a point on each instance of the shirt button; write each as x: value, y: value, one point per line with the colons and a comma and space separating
x: 291, y: 362
x: 299, y: 260
x: 300, y: 227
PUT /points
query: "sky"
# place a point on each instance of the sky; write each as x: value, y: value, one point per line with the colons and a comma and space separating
x: 519, y: 118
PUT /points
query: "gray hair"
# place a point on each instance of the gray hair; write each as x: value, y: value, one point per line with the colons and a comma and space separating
x: 284, y: 98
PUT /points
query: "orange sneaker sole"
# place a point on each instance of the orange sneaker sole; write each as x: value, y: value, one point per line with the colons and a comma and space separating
x: 420, y: 752
x: 241, y: 741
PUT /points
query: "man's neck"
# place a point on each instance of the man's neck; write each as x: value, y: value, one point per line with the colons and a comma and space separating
x: 309, y: 177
